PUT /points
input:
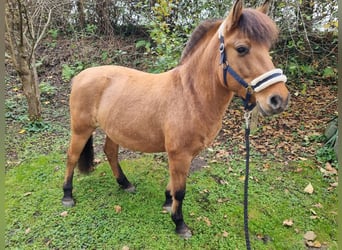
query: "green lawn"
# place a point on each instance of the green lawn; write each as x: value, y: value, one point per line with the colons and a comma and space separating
x: 106, y: 217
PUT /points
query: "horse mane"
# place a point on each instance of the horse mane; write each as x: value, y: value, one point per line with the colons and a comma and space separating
x: 253, y: 24
x: 197, y: 35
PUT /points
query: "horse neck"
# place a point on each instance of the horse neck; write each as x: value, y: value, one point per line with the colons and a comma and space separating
x: 202, y: 74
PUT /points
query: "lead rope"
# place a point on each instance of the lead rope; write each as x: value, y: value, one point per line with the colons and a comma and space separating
x: 245, y: 202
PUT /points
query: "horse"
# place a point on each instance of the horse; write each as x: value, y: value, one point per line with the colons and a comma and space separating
x: 179, y: 111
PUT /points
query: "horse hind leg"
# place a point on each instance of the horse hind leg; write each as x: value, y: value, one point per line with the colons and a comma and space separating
x: 80, y: 145
x: 111, y: 150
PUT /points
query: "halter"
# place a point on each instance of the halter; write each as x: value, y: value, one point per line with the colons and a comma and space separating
x: 261, y: 82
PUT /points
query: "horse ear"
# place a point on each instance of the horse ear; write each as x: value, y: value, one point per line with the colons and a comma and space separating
x: 265, y: 7
x: 234, y: 15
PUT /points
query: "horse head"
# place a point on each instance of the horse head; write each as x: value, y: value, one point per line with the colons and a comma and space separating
x: 246, y: 37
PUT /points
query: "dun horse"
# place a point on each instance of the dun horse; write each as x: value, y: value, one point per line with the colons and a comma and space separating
x: 179, y: 111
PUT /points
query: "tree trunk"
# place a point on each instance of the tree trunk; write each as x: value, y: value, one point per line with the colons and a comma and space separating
x: 29, y: 80
x: 81, y: 16
x: 104, y: 25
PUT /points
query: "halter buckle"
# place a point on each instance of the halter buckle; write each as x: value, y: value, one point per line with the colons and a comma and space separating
x: 247, y: 117
x: 250, y: 89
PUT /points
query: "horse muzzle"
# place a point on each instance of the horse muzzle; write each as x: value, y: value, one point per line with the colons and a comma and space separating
x: 275, y: 104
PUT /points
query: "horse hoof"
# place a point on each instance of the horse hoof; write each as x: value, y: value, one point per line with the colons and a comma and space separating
x: 185, y: 233
x: 130, y: 189
x: 68, y: 202
x: 167, y: 208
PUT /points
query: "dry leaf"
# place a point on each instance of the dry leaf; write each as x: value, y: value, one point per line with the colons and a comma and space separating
x: 27, y: 194
x: 309, y: 189
x: 310, y: 236
x: 298, y: 170
x: 335, y: 184
x: 118, y: 209
x: 28, y: 230
x: 225, y: 234
x: 318, y: 205
x: 222, y: 200
x: 314, y: 244
x: 64, y: 214
x: 125, y: 248
x: 317, y: 244
x: 207, y: 221
x: 288, y: 223
x: 313, y: 211
x: 330, y: 169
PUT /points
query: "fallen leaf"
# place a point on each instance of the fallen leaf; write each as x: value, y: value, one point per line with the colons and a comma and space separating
x: 22, y: 131
x: 207, y: 221
x: 310, y: 236
x: 288, y: 222
x: 313, y: 211
x: 222, y: 200
x: 313, y: 244
x: 27, y: 194
x: 298, y: 170
x: 330, y: 169
x: 118, y: 209
x: 317, y: 244
x: 64, y: 214
x: 125, y: 248
x: 28, y: 230
x: 266, y: 166
x: 318, y: 205
x: 309, y: 189
x: 225, y: 234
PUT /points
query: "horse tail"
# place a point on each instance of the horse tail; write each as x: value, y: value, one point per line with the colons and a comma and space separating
x: 86, y: 160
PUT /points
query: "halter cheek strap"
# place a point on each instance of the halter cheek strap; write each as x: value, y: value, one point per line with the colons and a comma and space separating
x: 258, y: 84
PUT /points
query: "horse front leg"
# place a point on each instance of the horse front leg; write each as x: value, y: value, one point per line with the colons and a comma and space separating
x: 168, y: 198
x: 179, y: 165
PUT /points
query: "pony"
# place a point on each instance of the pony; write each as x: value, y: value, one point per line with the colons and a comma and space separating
x: 180, y: 111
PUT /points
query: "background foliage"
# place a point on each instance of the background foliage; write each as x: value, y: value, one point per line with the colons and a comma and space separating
x: 308, y: 29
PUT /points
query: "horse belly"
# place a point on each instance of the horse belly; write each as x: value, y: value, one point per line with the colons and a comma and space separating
x: 133, y: 130
x: 148, y: 141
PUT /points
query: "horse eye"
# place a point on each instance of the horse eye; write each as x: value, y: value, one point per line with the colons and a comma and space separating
x: 242, y: 50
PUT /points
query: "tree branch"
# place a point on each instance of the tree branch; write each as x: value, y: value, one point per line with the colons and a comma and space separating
x: 10, y: 42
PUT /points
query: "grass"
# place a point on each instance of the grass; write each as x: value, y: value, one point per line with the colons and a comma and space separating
x: 212, y: 207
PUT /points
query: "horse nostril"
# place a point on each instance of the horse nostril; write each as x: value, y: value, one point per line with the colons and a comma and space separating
x: 276, y: 102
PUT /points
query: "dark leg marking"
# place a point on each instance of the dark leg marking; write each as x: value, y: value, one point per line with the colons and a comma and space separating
x: 67, y: 199
x: 181, y: 228
x: 123, y: 181
x: 168, y: 201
